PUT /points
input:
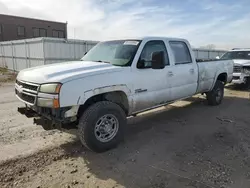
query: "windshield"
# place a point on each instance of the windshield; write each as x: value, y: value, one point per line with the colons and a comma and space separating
x: 236, y: 55
x: 119, y: 52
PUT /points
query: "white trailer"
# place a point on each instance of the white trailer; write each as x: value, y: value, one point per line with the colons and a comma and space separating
x: 20, y: 54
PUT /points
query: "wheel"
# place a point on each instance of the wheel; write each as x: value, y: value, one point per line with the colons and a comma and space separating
x: 215, y: 96
x: 247, y: 84
x: 102, y: 126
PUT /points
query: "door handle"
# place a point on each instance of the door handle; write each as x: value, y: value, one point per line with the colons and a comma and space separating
x: 191, y: 71
x: 170, y: 73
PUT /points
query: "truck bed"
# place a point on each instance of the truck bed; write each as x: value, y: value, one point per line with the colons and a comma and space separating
x: 207, y: 73
x: 207, y: 60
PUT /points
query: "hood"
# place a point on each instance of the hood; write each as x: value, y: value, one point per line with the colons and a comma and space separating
x: 63, y: 72
x: 241, y: 62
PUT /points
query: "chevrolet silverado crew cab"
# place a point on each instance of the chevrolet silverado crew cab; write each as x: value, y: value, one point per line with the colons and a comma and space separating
x: 114, y: 80
x: 241, y: 58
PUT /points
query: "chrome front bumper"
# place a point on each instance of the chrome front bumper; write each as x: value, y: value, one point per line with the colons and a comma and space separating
x: 240, y: 78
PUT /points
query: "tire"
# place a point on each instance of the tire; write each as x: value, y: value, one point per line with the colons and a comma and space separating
x: 247, y: 84
x: 92, y: 122
x: 215, y: 96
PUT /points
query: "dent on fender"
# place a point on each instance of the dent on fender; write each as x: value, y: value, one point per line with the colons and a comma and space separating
x: 104, y: 89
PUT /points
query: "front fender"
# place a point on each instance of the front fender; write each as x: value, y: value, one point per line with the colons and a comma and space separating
x: 77, y: 93
x: 105, y: 89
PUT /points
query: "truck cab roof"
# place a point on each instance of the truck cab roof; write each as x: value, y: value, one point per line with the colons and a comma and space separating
x: 155, y: 38
x: 239, y: 49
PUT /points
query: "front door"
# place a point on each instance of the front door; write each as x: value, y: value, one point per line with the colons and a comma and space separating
x: 151, y: 86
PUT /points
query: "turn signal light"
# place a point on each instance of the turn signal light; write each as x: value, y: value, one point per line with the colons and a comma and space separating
x: 56, y: 103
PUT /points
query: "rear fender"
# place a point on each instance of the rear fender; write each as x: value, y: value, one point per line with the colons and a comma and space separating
x: 216, y: 78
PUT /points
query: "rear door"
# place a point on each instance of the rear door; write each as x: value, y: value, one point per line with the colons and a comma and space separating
x: 184, y: 73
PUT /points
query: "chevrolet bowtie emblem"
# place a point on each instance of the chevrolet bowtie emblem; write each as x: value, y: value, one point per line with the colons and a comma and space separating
x: 20, y: 88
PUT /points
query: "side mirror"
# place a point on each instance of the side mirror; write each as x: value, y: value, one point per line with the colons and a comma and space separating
x: 85, y: 53
x: 158, y: 60
x: 217, y: 57
x: 141, y: 64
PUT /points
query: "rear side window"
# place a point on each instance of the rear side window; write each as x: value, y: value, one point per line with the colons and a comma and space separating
x: 181, y: 52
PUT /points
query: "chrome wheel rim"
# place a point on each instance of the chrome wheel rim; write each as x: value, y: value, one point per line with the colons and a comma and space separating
x: 106, y: 128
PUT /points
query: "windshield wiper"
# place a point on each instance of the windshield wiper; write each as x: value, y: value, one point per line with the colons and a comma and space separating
x: 102, y: 61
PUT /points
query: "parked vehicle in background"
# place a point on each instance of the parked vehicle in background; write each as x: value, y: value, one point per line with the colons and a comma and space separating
x: 114, y: 80
x: 241, y: 59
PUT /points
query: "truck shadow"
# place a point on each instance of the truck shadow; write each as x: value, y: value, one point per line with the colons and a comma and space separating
x: 169, y: 147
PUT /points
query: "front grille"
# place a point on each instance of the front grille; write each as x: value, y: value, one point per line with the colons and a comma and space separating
x: 237, y: 69
x: 27, y: 86
x: 26, y: 97
x: 26, y: 91
x: 236, y: 77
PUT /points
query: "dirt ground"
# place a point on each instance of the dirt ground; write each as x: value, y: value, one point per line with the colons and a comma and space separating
x: 186, y: 144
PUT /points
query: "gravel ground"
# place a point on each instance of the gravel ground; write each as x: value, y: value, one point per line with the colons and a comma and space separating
x: 186, y: 144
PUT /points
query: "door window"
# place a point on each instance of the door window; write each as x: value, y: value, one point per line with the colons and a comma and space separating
x: 181, y: 52
x: 42, y: 32
x: 20, y: 31
x: 1, y: 29
x: 58, y: 34
x: 151, y: 47
x: 35, y: 32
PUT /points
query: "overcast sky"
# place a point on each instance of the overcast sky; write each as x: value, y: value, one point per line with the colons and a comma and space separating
x: 225, y: 23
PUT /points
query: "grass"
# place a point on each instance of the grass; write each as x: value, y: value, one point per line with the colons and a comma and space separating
x: 6, y: 75
x: 3, y: 70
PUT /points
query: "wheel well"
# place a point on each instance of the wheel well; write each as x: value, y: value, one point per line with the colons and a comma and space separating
x: 222, y: 77
x: 118, y: 97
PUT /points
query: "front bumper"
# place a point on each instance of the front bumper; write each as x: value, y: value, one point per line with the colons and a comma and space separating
x: 240, y: 78
x: 56, y: 115
x: 40, y: 105
x: 48, y: 118
x: 27, y: 112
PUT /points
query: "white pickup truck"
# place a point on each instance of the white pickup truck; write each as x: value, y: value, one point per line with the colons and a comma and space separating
x: 114, y: 80
x: 241, y: 59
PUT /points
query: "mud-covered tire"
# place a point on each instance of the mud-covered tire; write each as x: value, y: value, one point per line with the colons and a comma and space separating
x: 215, y: 96
x: 89, y: 119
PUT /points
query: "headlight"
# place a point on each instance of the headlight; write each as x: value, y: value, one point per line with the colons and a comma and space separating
x: 246, y: 70
x: 50, y: 103
x: 50, y: 88
x: 45, y: 102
